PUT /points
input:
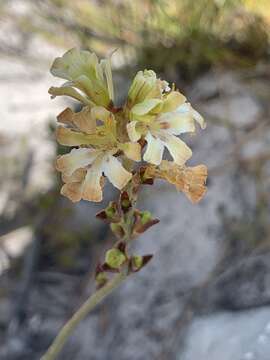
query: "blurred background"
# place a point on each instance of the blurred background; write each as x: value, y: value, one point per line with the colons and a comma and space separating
x: 206, y: 293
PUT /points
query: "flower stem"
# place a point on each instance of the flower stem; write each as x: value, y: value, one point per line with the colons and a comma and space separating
x: 83, y: 311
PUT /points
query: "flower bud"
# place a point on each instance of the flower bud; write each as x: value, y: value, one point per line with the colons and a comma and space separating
x: 143, y: 221
x: 137, y: 262
x: 145, y: 217
x: 115, y: 258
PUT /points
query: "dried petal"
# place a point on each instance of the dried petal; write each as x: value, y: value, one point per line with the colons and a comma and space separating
x: 190, y: 180
x: 81, y: 120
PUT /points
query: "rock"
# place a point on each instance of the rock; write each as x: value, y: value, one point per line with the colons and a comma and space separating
x: 244, y: 285
x: 229, y: 336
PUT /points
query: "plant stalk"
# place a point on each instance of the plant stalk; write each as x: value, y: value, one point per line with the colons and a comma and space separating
x: 83, y: 311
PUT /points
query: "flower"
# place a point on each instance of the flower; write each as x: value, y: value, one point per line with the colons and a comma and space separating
x: 159, y: 121
x: 190, y: 180
x: 88, y: 80
x: 146, y: 85
x: 83, y: 168
x: 101, y: 135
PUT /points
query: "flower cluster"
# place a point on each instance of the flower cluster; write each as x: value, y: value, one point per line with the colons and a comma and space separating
x: 107, y: 141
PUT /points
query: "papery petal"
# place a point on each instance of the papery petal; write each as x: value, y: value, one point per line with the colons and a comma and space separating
x: 131, y: 150
x: 77, y: 158
x: 154, y: 150
x: 146, y: 106
x: 115, y: 172
x: 91, y: 186
x: 133, y: 134
x: 102, y: 114
x: 65, y: 117
x: 73, y: 191
x: 173, y: 101
x: 190, y: 180
x: 177, y: 148
x: 77, y: 176
x: 68, y: 91
x: 82, y: 120
x: 72, y: 188
x: 194, y: 182
x: 70, y: 137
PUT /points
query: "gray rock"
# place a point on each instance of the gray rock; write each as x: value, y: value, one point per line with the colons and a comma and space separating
x: 246, y: 284
x: 229, y: 336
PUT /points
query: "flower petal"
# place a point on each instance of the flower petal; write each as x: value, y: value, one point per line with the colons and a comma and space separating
x: 65, y: 117
x: 190, y: 180
x: 68, y: 91
x: 133, y: 134
x: 102, y: 114
x: 146, y: 106
x: 73, y: 191
x: 194, y: 184
x: 145, y: 85
x: 94, y: 89
x: 187, y: 108
x: 91, y: 186
x: 77, y: 176
x: 77, y: 158
x: 199, y: 118
x: 74, y: 63
x: 154, y: 150
x: 70, y: 137
x: 177, y: 148
x: 82, y: 119
x: 106, y: 65
x: 115, y: 172
x: 177, y: 123
x: 85, y: 73
x: 131, y: 150
x: 173, y: 101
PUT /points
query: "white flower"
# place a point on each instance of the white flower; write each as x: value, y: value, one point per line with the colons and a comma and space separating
x: 83, y: 168
x: 83, y: 171
x: 88, y: 80
x: 160, y: 129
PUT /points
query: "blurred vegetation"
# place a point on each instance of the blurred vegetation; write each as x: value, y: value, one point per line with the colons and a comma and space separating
x: 170, y: 36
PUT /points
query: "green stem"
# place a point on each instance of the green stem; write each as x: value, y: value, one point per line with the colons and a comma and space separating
x: 84, y: 310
